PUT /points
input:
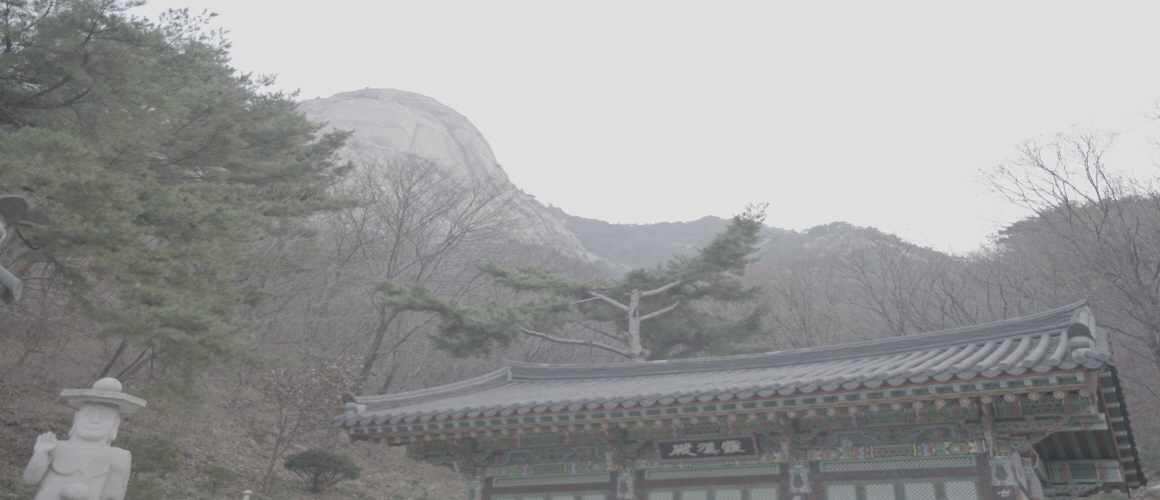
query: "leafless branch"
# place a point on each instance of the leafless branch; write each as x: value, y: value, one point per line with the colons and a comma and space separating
x: 654, y: 314
x: 610, y: 301
x: 661, y: 290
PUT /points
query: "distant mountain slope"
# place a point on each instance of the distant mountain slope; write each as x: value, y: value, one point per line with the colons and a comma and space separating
x: 633, y: 246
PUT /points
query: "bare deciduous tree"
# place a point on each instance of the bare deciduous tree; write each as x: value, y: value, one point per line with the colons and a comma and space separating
x: 1094, y: 232
x: 418, y: 224
x: 416, y: 221
x: 806, y: 302
x: 291, y: 403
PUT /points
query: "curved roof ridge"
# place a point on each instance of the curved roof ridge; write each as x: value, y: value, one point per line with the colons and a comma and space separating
x: 1051, y: 320
x: 483, y: 382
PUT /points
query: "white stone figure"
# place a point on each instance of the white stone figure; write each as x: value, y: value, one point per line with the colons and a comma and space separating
x: 86, y: 466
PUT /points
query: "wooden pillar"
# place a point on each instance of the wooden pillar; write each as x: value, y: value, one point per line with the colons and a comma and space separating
x: 640, y: 492
x: 816, y: 480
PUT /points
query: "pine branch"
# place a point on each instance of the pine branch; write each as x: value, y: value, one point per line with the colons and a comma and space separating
x: 690, y: 316
x: 661, y: 290
x: 654, y: 314
x: 611, y: 301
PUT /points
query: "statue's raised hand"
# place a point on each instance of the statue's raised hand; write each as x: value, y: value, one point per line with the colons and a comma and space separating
x: 45, y: 443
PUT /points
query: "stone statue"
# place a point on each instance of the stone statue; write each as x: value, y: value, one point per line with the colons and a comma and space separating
x: 12, y: 209
x: 87, y: 466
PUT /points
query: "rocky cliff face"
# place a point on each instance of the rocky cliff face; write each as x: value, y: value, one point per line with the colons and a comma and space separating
x: 389, y: 122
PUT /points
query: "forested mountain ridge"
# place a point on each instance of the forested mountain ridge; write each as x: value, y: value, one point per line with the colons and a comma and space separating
x: 632, y: 246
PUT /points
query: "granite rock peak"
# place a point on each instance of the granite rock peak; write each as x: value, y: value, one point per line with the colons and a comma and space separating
x: 389, y: 123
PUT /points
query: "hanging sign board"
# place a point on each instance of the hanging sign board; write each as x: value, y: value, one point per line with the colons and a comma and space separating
x: 723, y: 448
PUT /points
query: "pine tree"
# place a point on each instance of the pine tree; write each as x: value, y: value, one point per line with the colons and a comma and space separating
x: 153, y: 169
x: 654, y: 313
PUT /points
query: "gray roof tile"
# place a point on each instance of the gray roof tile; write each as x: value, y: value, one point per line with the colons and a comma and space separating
x: 1061, y: 339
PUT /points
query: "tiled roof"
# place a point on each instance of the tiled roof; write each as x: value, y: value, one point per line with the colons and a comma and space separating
x: 1060, y: 339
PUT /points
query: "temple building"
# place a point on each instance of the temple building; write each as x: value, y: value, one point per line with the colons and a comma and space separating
x: 1026, y: 408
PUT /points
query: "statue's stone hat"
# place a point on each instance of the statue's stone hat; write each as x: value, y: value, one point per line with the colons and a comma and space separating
x: 104, y: 391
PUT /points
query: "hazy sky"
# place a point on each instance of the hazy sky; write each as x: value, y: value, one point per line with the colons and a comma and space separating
x: 875, y: 113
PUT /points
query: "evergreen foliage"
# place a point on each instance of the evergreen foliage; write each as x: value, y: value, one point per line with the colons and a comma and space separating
x: 152, y: 168
x: 320, y: 469
x: 152, y: 455
x: 678, y: 312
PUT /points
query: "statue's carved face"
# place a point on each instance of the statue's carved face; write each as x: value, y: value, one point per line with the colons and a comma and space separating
x: 95, y: 422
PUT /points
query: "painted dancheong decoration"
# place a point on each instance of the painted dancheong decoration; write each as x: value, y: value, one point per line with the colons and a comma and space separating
x: 86, y: 466
x: 1027, y: 408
